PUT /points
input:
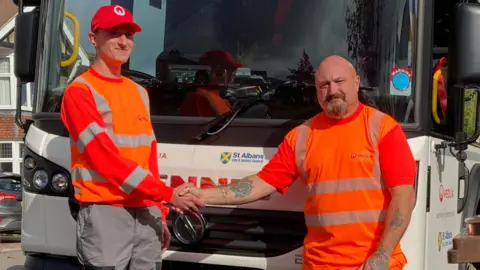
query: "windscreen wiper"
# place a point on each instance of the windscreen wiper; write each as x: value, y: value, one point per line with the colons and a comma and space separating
x: 225, y: 119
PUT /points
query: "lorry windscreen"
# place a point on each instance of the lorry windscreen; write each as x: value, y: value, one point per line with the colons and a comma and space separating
x: 197, y: 58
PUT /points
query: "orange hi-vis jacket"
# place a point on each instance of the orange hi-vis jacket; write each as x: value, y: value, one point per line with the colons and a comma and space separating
x: 113, y: 147
x: 347, y: 199
x: 204, y: 103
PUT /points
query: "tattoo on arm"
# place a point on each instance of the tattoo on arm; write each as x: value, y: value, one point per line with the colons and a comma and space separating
x: 241, y: 188
x: 224, y: 190
x: 379, y: 260
x: 397, y: 219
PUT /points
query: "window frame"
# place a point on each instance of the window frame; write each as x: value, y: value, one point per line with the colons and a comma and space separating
x: 29, y: 98
x: 12, y: 80
x: 16, y: 159
x: 13, y: 88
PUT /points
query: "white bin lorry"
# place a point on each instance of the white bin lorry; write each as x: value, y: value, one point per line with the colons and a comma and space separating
x: 393, y: 44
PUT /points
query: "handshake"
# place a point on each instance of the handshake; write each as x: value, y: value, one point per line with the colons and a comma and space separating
x: 187, y: 197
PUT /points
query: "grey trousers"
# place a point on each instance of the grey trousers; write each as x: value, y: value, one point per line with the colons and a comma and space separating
x: 117, y: 238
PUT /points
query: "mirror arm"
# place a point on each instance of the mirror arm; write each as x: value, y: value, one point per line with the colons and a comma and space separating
x: 20, y: 6
x: 18, y: 110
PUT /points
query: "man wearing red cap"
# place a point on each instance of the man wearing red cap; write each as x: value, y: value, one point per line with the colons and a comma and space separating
x: 206, y: 101
x: 114, y: 165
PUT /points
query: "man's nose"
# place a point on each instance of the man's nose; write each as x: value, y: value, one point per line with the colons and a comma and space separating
x: 123, y: 40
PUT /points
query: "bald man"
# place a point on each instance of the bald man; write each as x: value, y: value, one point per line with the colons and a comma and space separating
x: 359, y: 171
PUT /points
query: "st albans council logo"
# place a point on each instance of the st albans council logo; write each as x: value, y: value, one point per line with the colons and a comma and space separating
x: 239, y: 157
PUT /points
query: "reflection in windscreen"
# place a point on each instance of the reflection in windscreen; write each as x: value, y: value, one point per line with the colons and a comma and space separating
x: 271, y: 35
x: 220, y: 48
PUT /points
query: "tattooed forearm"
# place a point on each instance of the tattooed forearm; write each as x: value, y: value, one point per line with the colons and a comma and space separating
x: 246, y: 190
x: 398, y: 216
x: 397, y: 219
x: 379, y: 260
x: 242, y: 188
x: 224, y: 190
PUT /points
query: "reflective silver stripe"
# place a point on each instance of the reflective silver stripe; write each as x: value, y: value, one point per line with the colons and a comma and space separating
x: 87, y: 135
x: 131, y: 140
x: 341, y: 218
x: 301, y: 148
x: 134, y: 179
x: 120, y: 140
x: 128, y: 185
x: 143, y: 94
x: 106, y: 112
x: 102, y: 104
x: 87, y: 175
x: 374, y: 125
x: 345, y: 185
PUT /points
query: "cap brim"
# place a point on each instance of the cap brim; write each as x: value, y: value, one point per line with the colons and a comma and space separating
x: 135, y: 27
x: 237, y: 65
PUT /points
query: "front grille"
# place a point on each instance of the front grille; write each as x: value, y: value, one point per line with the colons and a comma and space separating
x: 245, y: 232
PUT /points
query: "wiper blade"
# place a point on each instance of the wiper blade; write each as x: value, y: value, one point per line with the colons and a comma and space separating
x: 225, y: 118
x: 368, y: 88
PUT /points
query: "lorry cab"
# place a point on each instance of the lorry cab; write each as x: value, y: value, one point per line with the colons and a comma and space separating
x: 264, y: 56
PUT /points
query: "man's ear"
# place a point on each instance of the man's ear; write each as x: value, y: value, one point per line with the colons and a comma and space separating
x: 357, y: 83
x: 92, y: 38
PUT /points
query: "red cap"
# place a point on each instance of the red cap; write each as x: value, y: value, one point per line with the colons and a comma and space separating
x: 108, y: 17
x: 219, y: 58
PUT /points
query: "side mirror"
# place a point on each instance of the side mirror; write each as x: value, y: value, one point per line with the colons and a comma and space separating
x: 26, y: 36
x: 464, y: 51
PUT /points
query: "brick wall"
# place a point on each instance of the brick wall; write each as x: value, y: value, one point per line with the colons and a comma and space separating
x: 7, y: 10
x: 8, y: 129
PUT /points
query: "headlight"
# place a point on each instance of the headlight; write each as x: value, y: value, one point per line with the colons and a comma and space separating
x: 59, y: 182
x: 30, y: 163
x: 40, y: 179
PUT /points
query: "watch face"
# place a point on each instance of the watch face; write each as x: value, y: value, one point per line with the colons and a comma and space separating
x: 189, y: 228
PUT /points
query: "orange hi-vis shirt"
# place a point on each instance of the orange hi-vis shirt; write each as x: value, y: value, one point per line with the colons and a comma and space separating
x: 204, y: 103
x: 113, y: 147
x: 347, y: 166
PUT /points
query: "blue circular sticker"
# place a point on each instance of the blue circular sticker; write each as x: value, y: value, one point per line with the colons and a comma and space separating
x: 401, y: 81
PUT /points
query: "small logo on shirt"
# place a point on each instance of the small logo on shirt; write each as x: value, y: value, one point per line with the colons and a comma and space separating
x: 361, y: 155
x: 142, y: 118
